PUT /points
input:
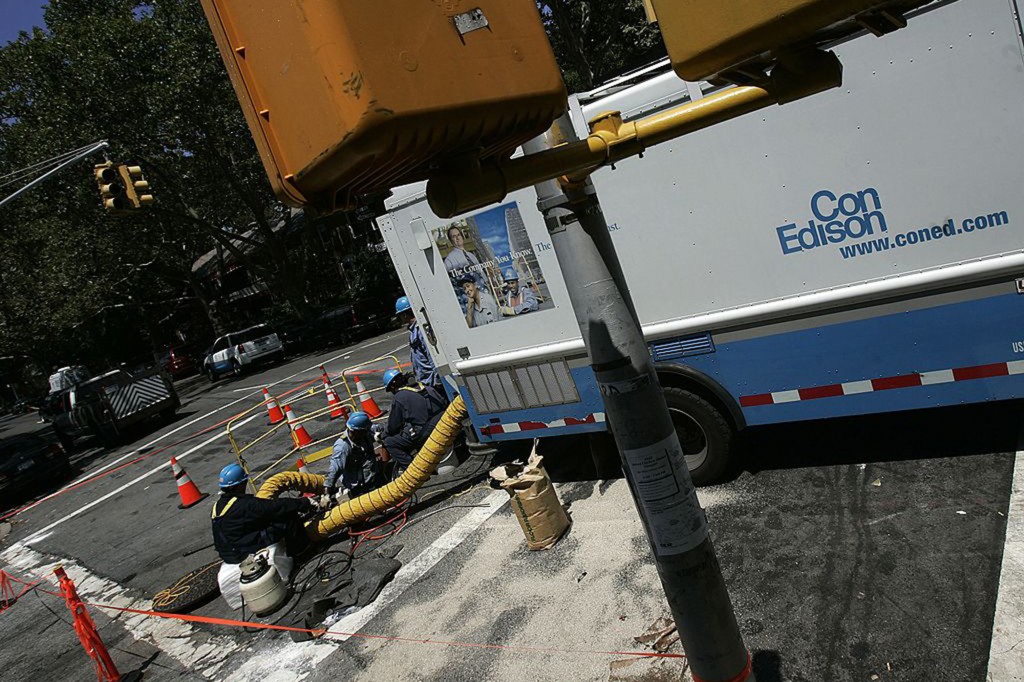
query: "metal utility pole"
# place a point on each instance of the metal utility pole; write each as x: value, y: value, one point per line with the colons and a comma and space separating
x: 639, y: 420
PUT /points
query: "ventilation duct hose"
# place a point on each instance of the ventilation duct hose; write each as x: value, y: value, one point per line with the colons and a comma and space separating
x: 381, y: 499
x: 291, y: 480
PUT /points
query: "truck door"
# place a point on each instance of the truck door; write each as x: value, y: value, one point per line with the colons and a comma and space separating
x: 415, y: 248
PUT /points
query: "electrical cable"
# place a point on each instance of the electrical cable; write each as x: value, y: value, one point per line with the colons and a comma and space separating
x: 323, y: 571
x: 50, y: 161
x: 39, y: 168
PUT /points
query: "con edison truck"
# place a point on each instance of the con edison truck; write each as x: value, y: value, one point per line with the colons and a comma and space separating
x: 856, y: 252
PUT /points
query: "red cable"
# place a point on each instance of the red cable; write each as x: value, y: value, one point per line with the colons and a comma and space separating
x: 209, y: 620
x: 369, y: 534
x: 159, y: 450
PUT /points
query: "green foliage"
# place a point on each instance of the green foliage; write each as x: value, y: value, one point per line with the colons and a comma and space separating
x: 595, y: 40
x: 147, y: 77
x: 371, y: 273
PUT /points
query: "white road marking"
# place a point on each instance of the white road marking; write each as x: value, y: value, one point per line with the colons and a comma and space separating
x: 316, y: 366
x: 417, y: 568
x: 35, y: 537
x: 194, y: 649
x: 212, y: 656
x: 133, y: 453
x: 1006, y: 655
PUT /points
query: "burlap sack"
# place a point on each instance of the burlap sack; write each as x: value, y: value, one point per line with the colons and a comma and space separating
x: 534, y: 502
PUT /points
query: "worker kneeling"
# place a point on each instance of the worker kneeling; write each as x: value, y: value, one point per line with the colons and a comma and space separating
x: 354, y: 463
x: 415, y: 411
x: 245, y: 525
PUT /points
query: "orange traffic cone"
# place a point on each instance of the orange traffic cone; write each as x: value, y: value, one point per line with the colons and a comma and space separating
x: 366, y: 402
x: 301, y: 467
x: 187, y: 490
x: 299, y: 435
x: 274, y: 413
x: 333, y: 401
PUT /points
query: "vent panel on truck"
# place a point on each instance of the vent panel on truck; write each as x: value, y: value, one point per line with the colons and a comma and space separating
x: 351, y: 98
x: 708, y: 37
x: 540, y: 385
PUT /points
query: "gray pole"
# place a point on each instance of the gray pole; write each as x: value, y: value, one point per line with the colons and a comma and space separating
x: 639, y: 420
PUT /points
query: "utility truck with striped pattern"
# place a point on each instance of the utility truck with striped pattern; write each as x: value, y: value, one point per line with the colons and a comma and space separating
x: 859, y: 251
x: 106, y: 405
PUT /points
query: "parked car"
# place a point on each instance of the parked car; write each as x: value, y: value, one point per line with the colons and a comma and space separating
x: 373, y: 316
x: 178, y: 361
x: 27, y: 462
x: 330, y: 329
x: 234, y: 352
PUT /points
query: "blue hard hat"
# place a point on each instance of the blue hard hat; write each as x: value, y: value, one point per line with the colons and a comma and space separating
x: 402, y: 304
x: 390, y: 375
x: 359, y: 421
x: 232, y: 475
x: 511, y: 275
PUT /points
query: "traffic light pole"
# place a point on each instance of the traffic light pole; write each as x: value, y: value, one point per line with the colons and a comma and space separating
x: 78, y: 157
x: 639, y: 419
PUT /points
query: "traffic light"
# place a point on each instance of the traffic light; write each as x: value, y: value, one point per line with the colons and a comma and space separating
x: 350, y: 99
x: 112, y: 188
x: 136, y: 186
x: 739, y: 40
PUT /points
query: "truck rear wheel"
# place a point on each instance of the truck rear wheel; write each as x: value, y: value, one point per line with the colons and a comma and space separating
x: 704, y: 434
x: 66, y: 441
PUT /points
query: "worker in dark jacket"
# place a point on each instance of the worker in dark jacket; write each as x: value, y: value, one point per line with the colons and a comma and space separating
x: 415, y: 411
x: 243, y: 524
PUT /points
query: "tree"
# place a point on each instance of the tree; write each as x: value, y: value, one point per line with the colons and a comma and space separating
x: 595, y: 40
x: 147, y: 77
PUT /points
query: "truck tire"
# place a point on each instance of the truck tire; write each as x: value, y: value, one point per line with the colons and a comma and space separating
x: 704, y: 433
x: 211, y: 375
x: 66, y: 441
x: 108, y: 433
x: 236, y: 368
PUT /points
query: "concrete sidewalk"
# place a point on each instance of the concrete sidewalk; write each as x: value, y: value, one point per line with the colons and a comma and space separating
x: 878, y: 571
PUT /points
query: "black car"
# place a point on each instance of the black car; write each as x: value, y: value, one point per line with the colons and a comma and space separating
x: 329, y: 330
x: 28, y: 462
x: 373, y: 316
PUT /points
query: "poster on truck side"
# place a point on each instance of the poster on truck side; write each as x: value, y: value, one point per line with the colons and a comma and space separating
x: 492, y: 266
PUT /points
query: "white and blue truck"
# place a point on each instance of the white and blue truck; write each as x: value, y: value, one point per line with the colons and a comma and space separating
x: 859, y: 251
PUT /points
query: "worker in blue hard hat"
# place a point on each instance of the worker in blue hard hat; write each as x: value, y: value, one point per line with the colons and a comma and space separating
x: 419, y: 354
x: 481, y: 308
x: 244, y: 524
x: 415, y: 411
x: 518, y: 300
x: 354, y: 464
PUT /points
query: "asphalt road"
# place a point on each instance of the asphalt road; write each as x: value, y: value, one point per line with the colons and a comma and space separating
x: 855, y: 549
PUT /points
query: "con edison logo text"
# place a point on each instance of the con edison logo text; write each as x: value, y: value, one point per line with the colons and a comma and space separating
x: 836, y: 219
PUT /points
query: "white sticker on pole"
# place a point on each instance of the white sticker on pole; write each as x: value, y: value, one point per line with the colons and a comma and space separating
x: 674, y: 517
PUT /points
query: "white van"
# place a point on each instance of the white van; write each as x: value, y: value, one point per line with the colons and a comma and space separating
x: 234, y: 352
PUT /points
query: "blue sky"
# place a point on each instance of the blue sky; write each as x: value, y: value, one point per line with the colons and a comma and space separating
x: 19, y: 15
x: 494, y: 230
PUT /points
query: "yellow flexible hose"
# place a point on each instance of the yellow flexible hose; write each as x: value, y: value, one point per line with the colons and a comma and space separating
x: 375, y: 501
x: 417, y: 473
x: 291, y: 480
